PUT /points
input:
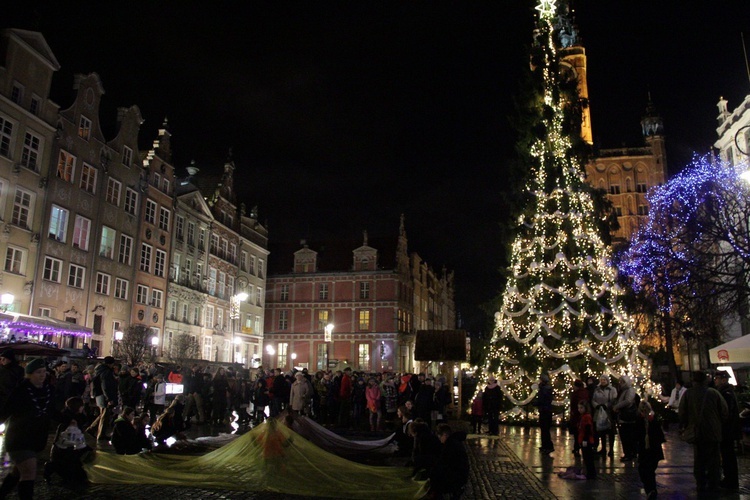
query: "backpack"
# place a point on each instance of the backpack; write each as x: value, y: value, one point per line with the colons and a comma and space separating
x: 96, y: 385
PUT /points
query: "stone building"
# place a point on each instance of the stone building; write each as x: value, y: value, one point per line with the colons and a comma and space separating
x: 218, y: 254
x: 27, y: 135
x: 153, y: 241
x: 374, y: 295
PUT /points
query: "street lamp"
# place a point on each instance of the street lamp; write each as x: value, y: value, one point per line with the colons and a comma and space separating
x: 154, y: 345
x: 271, y: 351
x: 235, y: 316
x: 6, y: 300
x: 118, y: 338
x: 327, y: 338
x: 294, y: 358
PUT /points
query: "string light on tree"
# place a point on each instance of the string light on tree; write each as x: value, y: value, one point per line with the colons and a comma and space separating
x: 560, y: 311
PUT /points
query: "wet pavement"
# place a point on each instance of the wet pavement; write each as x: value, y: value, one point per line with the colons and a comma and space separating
x: 505, y: 466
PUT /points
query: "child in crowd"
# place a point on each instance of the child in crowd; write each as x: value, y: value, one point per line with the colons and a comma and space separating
x: 69, y: 448
x: 585, y: 438
x: 126, y: 438
x: 477, y: 414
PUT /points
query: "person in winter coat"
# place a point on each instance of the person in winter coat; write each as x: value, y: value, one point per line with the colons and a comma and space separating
x: 585, y: 436
x: 731, y: 432
x: 423, y: 401
x: 220, y: 400
x: 260, y: 400
x: 704, y: 409
x: 426, y: 447
x: 159, y: 397
x: 450, y: 471
x: 69, y: 449
x: 626, y: 412
x: 603, y: 399
x: 578, y: 395
x: 491, y: 401
x: 477, y: 413
x: 300, y: 395
x: 104, y: 390
x: 27, y: 414
x: 125, y: 437
x: 649, y: 438
x: 390, y: 398
x: 544, y: 403
x: 11, y: 374
x: 372, y: 394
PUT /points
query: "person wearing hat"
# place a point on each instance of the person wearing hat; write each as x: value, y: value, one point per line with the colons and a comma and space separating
x: 27, y: 415
x: 731, y: 431
x: 300, y: 394
x: 491, y: 402
x: 11, y: 374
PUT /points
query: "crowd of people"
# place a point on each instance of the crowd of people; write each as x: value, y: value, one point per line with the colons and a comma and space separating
x: 132, y: 408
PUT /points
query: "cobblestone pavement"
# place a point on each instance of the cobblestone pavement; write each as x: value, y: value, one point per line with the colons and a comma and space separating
x: 508, y: 466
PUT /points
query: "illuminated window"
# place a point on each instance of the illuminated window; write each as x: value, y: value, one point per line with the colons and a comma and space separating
x: 58, y: 223
x: 84, y: 128
x: 363, y: 356
x: 323, y: 319
x: 66, y: 164
x: 364, y: 319
x: 281, y: 352
x: 107, y: 243
x: 81, y: 232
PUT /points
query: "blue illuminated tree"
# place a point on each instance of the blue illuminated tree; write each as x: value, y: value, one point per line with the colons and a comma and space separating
x: 692, y: 258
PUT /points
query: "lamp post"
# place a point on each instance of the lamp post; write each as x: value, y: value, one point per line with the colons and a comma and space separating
x: 235, y: 313
x: 6, y: 301
x: 271, y: 351
x: 118, y: 338
x: 154, y: 345
x: 327, y: 338
x: 294, y: 358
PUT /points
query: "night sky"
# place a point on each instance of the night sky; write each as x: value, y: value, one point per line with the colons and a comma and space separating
x: 343, y: 115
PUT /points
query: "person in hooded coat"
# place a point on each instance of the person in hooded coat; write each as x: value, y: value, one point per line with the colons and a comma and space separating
x: 491, y: 400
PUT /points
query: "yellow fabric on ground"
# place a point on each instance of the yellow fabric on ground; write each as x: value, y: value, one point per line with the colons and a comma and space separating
x: 271, y: 457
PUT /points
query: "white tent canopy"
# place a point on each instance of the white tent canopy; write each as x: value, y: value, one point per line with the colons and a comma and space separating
x: 734, y: 351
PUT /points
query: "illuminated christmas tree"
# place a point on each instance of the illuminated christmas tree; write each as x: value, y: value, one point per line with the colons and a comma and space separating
x: 560, y: 313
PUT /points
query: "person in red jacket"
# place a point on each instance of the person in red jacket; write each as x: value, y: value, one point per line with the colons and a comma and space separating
x: 578, y: 394
x: 345, y: 398
x: 585, y: 438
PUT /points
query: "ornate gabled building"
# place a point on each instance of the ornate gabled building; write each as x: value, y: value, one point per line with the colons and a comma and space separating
x: 28, y: 120
x: 153, y: 242
x: 733, y: 131
x: 374, y: 295
x: 626, y: 174
x: 218, y: 255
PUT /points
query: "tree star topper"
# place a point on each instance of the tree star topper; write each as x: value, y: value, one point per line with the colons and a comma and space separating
x: 546, y: 8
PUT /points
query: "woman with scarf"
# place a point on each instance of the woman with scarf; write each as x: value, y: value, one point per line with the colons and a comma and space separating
x: 27, y: 415
x: 491, y: 405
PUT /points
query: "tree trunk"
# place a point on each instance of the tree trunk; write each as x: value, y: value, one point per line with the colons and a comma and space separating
x: 669, y: 344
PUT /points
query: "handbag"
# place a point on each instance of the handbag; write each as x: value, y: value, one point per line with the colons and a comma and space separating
x: 688, y: 433
x: 603, y: 423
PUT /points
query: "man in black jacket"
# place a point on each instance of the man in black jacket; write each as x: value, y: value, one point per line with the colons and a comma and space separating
x: 731, y: 431
x: 104, y: 388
